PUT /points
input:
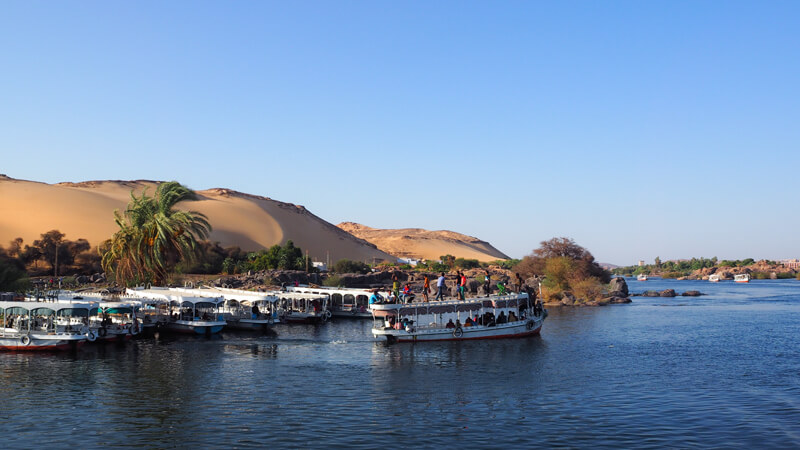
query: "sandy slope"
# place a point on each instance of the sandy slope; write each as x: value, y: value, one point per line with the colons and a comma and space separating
x: 85, y: 210
x: 425, y: 244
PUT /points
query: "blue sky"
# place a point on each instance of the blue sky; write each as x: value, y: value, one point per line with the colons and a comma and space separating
x: 639, y: 129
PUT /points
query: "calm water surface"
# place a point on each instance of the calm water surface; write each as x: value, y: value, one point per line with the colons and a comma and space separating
x: 721, y: 370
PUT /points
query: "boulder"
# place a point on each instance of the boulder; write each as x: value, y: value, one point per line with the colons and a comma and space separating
x: 82, y: 279
x: 650, y: 294
x: 692, y: 294
x: 667, y: 293
x: 616, y: 299
x: 618, y: 287
x: 568, y: 299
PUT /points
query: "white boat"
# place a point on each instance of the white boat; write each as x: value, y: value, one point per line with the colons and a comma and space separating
x: 343, y: 302
x: 641, y: 277
x: 242, y: 310
x: 186, y: 314
x: 714, y: 278
x: 115, y: 321
x: 507, y: 316
x: 742, y: 278
x: 296, y: 307
x: 29, y: 326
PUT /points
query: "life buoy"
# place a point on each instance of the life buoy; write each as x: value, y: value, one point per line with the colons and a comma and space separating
x: 90, y: 336
x: 328, y: 314
x: 458, y: 332
x: 102, y: 332
x: 529, y: 325
x: 25, y: 340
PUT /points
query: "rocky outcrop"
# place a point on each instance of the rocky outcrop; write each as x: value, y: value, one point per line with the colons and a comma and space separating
x: 618, y: 288
x: 692, y: 294
x: 667, y: 293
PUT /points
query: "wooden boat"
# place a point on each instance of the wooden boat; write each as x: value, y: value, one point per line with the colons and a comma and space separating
x: 641, y: 277
x: 714, y: 278
x: 342, y: 302
x: 496, y: 317
x: 186, y: 314
x: 31, y: 326
x: 742, y: 278
x: 295, y: 307
x: 242, y: 310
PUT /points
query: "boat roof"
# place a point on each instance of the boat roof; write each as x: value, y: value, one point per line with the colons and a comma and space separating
x: 329, y: 290
x: 164, y: 294
x: 55, y: 306
x: 228, y: 294
x: 449, y: 306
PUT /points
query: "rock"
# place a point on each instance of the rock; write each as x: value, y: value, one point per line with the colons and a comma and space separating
x: 692, y: 294
x: 613, y: 300
x: 618, y: 287
x: 650, y: 294
x: 82, y: 279
x: 667, y: 293
x: 568, y: 299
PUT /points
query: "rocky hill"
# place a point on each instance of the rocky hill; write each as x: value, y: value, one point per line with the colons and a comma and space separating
x: 418, y: 243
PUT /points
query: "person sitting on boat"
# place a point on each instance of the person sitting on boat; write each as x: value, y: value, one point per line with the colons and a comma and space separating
x: 375, y: 297
x: 501, y: 318
x: 255, y: 311
x: 408, y: 297
x: 450, y: 324
x: 512, y: 317
x: 468, y: 322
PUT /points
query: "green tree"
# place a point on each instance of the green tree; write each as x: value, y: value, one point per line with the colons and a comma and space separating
x: 154, y: 236
x: 12, y: 275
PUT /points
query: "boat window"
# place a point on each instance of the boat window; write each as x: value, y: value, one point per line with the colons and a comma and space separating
x: 73, y: 312
x: 337, y: 300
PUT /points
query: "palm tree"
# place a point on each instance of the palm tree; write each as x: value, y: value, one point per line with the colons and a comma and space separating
x: 153, y: 236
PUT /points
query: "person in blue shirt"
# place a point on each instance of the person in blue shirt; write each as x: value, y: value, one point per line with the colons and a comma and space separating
x: 375, y: 297
x: 440, y: 288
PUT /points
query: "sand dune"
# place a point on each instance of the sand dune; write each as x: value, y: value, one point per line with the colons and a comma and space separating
x: 424, y: 244
x: 85, y: 210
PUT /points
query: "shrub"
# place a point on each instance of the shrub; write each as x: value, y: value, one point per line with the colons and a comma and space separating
x: 672, y: 274
x: 785, y: 275
x: 588, y: 289
x: 466, y: 263
x: 348, y: 266
x: 333, y: 281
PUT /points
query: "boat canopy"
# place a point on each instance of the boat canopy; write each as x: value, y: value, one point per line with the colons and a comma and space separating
x: 43, y: 311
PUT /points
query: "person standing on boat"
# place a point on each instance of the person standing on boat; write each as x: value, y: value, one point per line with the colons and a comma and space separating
x: 440, y: 288
x: 395, y: 285
x: 487, y: 283
x: 463, y: 286
x: 426, y: 289
x: 519, y: 282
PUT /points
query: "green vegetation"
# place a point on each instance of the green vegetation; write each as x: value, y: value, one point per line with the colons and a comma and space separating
x: 153, y: 236
x: 347, y: 266
x: 332, y: 281
x: 462, y: 263
x: 565, y: 266
x: 52, y: 255
x: 675, y: 269
x: 507, y: 264
x: 12, y: 274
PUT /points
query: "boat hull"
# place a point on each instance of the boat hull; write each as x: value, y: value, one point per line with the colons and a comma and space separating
x: 247, y: 324
x: 41, y: 343
x: 504, y: 331
x: 195, y: 327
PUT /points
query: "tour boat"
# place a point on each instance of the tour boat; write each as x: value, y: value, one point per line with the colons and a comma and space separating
x: 29, y: 326
x: 642, y: 277
x: 114, y: 321
x: 742, y: 278
x: 343, y: 302
x: 295, y: 307
x: 186, y: 314
x: 242, y: 310
x: 714, y: 278
x: 506, y: 316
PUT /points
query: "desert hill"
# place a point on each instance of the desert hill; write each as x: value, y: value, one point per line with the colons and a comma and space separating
x: 85, y: 210
x: 424, y: 244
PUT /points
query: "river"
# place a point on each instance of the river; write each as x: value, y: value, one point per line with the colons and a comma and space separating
x: 721, y: 370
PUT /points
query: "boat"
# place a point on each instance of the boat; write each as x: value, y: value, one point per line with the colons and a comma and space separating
x: 242, y: 310
x: 714, y: 278
x: 186, y: 314
x: 641, y: 277
x: 115, y: 321
x: 343, y: 302
x: 31, y: 326
x: 496, y: 317
x: 297, y: 307
x: 742, y: 278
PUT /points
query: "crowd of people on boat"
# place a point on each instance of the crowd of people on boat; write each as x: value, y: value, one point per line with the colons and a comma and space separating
x: 406, y: 295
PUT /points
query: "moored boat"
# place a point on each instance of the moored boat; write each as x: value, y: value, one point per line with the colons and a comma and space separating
x: 30, y: 326
x: 641, y: 277
x: 714, y: 278
x: 295, y: 307
x: 186, y: 314
x: 342, y: 302
x: 507, y: 316
x: 242, y: 310
x: 742, y: 278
